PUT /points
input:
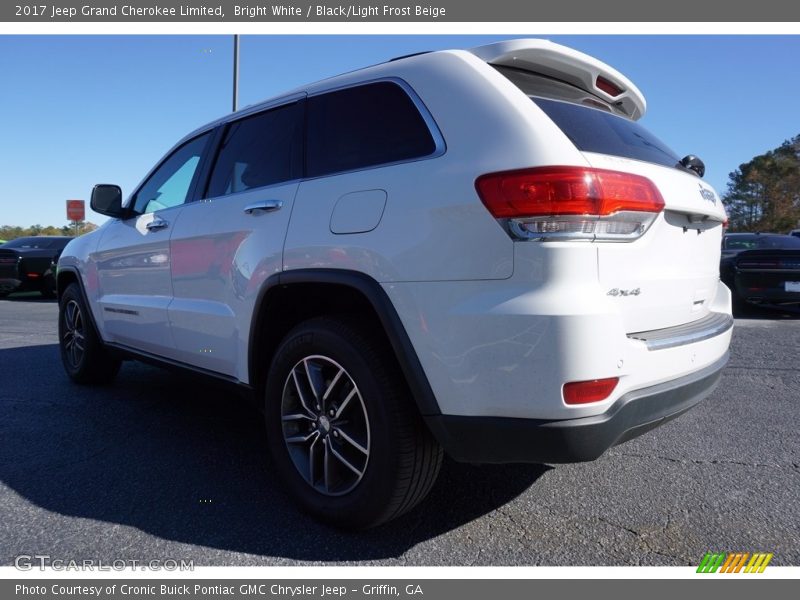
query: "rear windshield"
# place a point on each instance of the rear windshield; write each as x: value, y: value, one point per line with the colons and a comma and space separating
x: 593, y: 130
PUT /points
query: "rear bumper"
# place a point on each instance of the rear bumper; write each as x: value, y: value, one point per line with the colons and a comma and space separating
x: 767, y: 288
x: 504, y: 440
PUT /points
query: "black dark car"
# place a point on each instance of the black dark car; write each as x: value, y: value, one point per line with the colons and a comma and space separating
x: 29, y: 264
x: 761, y: 268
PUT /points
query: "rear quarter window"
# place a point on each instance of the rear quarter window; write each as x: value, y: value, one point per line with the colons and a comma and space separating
x: 364, y: 126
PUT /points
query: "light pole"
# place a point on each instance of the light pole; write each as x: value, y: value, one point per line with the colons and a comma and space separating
x: 235, y: 72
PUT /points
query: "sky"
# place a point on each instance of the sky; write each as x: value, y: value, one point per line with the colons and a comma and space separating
x: 78, y: 110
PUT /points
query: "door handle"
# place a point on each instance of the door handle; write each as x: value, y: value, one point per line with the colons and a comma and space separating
x: 263, y: 206
x: 156, y: 224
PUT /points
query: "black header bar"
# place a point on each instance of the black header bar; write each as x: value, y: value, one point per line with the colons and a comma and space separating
x: 430, y: 11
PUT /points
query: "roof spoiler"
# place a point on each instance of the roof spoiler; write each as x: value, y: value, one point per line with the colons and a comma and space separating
x: 576, y: 68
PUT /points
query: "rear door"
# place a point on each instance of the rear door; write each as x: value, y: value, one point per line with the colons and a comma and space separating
x: 668, y: 276
x: 133, y: 256
x: 229, y: 241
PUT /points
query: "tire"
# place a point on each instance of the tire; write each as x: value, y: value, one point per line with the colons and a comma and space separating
x: 85, y: 359
x: 48, y: 290
x: 741, y: 308
x: 335, y: 396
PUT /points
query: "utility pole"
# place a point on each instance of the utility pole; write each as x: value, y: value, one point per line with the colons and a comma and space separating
x: 235, y: 72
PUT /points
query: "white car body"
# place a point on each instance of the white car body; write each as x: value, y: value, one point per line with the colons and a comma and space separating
x: 497, y: 324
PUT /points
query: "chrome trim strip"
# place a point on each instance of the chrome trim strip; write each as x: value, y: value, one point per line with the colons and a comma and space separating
x: 711, y: 325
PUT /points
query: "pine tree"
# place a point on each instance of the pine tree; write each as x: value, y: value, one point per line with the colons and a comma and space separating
x: 764, y: 193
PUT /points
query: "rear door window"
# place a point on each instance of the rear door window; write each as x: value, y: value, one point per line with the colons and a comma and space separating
x: 257, y: 151
x: 364, y: 126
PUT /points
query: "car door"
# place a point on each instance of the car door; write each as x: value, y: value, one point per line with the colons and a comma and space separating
x: 133, y: 256
x: 229, y: 241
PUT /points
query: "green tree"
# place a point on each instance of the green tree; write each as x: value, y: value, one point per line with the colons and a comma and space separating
x: 12, y: 232
x: 764, y: 193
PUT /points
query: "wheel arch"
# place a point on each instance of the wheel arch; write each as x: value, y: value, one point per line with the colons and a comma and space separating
x: 297, y: 295
x: 66, y: 276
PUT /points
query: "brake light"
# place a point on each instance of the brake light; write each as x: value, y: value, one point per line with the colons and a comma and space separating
x: 594, y: 390
x: 573, y: 202
x: 609, y: 88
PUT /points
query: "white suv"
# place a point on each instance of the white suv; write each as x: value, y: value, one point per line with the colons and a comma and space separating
x: 472, y: 251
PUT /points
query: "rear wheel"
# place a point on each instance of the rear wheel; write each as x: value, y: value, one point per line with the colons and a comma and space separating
x: 344, y: 433
x: 82, y: 353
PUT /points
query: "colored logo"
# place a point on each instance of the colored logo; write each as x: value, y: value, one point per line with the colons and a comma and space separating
x: 734, y: 562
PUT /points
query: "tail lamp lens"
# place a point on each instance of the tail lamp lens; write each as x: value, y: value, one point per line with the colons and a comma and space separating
x: 571, y: 202
x: 608, y: 87
x: 594, y: 390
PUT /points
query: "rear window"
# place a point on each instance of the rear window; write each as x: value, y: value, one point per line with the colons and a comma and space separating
x: 593, y: 130
x: 364, y: 126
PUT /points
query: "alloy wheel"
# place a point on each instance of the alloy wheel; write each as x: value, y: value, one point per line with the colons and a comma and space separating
x: 73, y: 338
x: 325, y: 425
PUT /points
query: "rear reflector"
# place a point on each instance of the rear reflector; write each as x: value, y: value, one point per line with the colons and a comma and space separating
x: 594, y: 390
x: 33, y: 275
x: 575, y: 202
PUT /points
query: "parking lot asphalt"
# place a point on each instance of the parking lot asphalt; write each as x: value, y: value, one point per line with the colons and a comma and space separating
x: 159, y: 466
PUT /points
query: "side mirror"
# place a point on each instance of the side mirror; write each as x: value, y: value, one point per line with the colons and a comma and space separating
x: 107, y: 200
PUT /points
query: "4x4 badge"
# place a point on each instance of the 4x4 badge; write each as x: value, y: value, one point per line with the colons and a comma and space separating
x: 619, y: 292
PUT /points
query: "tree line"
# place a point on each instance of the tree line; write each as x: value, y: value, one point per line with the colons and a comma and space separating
x: 764, y: 193
x: 12, y: 232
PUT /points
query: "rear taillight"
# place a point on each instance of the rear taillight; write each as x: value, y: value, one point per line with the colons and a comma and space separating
x: 594, y: 390
x: 571, y: 202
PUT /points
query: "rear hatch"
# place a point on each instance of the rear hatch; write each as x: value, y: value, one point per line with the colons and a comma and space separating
x: 675, y: 265
x: 669, y: 275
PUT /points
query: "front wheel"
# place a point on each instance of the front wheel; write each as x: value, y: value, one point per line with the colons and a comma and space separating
x: 344, y: 433
x: 48, y: 290
x: 82, y: 353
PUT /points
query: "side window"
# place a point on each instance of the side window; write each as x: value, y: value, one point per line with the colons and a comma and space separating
x: 170, y: 184
x: 261, y: 150
x: 364, y: 126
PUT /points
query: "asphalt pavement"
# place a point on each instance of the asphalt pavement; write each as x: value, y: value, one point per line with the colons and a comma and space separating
x: 160, y: 466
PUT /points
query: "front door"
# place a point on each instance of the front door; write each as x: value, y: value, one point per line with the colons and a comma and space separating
x: 133, y: 256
